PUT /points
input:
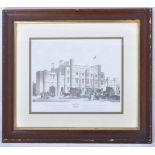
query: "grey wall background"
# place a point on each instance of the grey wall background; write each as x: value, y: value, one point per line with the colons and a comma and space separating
x: 92, y: 145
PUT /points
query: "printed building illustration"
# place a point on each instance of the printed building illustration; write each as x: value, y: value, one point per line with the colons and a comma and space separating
x: 69, y: 77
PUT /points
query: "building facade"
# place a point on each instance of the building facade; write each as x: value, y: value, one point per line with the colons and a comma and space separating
x: 69, y: 76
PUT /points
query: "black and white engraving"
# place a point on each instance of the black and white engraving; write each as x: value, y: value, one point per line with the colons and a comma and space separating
x: 76, y: 75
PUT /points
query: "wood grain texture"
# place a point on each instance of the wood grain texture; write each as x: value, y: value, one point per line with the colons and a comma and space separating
x: 144, y: 135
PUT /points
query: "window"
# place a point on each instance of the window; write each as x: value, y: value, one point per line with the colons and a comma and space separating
x: 52, y: 76
x: 77, y: 73
x: 102, y: 76
x: 82, y: 74
x: 77, y: 80
x: 82, y: 80
x: 101, y: 82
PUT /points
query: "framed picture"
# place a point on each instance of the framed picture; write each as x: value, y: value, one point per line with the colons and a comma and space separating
x: 77, y: 75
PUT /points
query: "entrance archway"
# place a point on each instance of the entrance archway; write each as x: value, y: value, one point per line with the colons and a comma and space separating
x: 52, y: 91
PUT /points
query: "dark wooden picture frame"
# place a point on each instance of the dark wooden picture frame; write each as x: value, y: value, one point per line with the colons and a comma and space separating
x: 143, y: 135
